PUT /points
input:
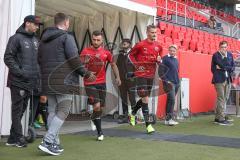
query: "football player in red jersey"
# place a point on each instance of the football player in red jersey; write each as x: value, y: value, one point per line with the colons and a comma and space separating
x: 95, y: 59
x: 145, y: 56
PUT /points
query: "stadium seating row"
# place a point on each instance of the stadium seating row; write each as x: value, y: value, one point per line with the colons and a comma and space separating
x: 193, y: 40
x: 171, y: 5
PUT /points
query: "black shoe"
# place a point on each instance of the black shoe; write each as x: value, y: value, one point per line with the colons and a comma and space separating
x: 216, y: 121
x: 49, y: 148
x: 21, y: 142
x: 123, y: 119
x: 11, y: 141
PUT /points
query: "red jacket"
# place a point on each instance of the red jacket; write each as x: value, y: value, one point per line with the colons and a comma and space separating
x: 98, y: 59
x: 144, y: 55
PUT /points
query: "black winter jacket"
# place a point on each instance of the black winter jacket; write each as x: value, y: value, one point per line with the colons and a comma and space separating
x: 125, y: 66
x: 59, y: 62
x: 21, y: 58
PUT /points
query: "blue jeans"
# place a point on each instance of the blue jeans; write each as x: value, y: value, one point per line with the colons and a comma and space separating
x: 171, y: 91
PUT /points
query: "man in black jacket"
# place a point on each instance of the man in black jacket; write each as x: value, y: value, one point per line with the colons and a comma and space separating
x: 23, y: 78
x: 60, y: 69
x: 127, y: 88
x: 222, y: 68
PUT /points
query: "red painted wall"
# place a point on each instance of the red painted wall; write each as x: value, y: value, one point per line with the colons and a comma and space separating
x: 196, y: 67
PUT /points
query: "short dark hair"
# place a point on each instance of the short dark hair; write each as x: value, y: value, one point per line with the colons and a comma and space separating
x: 150, y: 27
x: 127, y: 40
x: 222, y: 43
x: 59, y: 18
x: 97, y: 33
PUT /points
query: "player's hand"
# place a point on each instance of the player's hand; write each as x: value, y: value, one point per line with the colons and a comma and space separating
x: 91, y: 77
x: 86, y: 59
x: 118, y: 81
x: 159, y: 59
x: 217, y: 66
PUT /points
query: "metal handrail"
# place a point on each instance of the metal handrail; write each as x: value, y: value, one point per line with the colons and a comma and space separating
x: 236, y: 32
x: 177, y: 12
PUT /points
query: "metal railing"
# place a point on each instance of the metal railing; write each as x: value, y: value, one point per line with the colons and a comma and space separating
x: 236, y: 30
x: 177, y: 13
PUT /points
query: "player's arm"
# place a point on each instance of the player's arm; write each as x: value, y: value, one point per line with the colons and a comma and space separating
x: 116, y: 73
x: 159, y: 56
x: 84, y: 57
x: 133, y: 54
x: 114, y: 68
x: 10, y: 56
x: 71, y: 52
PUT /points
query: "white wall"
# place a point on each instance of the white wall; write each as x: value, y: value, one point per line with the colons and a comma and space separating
x: 12, y: 14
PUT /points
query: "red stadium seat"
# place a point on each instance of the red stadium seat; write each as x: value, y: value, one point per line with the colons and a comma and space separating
x: 162, y: 25
x: 176, y: 28
x: 193, y: 45
x: 168, y: 40
x: 175, y: 34
x: 170, y: 26
x: 168, y: 32
x: 165, y: 51
x: 183, y: 29
x: 180, y: 36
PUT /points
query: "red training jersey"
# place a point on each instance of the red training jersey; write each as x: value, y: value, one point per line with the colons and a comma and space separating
x: 95, y: 60
x: 144, y: 55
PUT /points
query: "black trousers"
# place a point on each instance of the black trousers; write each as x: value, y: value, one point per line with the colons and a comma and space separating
x: 127, y: 89
x: 34, y: 108
x: 19, y: 99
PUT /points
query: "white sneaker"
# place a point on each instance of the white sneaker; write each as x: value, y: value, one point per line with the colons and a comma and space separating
x: 100, y: 138
x: 238, y: 116
x: 171, y: 122
x: 93, y: 127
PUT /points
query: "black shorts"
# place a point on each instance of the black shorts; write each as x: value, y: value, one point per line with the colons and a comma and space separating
x: 144, y: 86
x: 96, y: 93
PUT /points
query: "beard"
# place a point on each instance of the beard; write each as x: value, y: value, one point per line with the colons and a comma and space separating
x: 154, y: 38
x: 96, y: 46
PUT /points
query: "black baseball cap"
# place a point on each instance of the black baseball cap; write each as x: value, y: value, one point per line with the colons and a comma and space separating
x: 33, y: 19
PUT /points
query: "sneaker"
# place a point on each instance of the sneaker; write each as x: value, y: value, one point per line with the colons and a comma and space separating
x: 238, y: 116
x: 150, y: 129
x: 21, y: 142
x: 100, y: 138
x: 36, y: 125
x: 11, y: 142
x: 40, y: 119
x: 216, y: 121
x: 59, y: 148
x: 49, y: 148
x: 93, y: 127
x: 123, y: 119
x: 229, y: 119
x: 132, y: 120
x: 225, y: 123
x: 170, y: 122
